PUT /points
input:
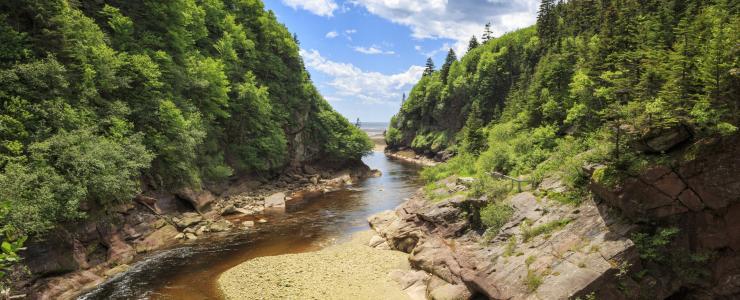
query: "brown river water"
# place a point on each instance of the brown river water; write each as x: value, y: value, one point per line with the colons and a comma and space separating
x: 191, y: 271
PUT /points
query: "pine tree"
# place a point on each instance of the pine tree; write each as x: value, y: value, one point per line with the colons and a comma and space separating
x: 445, y: 71
x: 403, y: 98
x: 473, y: 43
x: 473, y: 141
x: 487, y: 33
x: 547, y: 21
x: 429, y: 70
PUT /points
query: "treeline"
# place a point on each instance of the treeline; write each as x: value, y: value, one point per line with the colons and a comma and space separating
x: 98, y: 98
x: 587, y: 74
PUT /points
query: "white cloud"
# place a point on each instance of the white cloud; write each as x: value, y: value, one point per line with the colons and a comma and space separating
x: 324, y: 8
x: 457, y: 20
x: 331, y: 34
x: 374, y: 49
x: 351, y: 83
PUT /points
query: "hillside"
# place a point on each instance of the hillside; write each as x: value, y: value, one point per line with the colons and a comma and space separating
x: 101, y: 100
x: 587, y: 157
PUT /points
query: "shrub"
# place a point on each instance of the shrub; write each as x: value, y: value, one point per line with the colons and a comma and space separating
x: 495, y: 215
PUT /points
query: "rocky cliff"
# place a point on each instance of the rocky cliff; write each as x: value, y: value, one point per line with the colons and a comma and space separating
x: 673, y: 231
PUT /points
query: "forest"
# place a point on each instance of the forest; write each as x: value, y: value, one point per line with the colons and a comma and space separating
x: 100, y: 100
x: 590, y: 82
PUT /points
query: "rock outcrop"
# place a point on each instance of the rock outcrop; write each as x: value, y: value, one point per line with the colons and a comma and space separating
x: 608, y: 247
x: 572, y: 261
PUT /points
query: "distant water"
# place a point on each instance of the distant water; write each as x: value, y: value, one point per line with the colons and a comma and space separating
x: 373, y: 127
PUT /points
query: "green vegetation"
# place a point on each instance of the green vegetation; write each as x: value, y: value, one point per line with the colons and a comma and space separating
x: 510, y: 246
x: 495, y: 215
x: 100, y: 97
x: 533, y: 280
x: 586, y: 84
x: 529, y: 232
x: 654, y: 247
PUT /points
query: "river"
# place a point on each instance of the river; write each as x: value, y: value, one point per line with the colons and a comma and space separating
x: 190, y: 272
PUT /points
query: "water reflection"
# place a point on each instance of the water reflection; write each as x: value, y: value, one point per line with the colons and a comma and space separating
x: 190, y: 272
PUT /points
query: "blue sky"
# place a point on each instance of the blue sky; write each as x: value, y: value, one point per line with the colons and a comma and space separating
x: 364, y: 54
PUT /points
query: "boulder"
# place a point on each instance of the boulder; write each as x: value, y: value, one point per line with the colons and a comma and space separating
x: 412, y: 282
x: 450, y: 292
x: 275, y: 200
x: 188, y: 219
x: 662, y: 139
x: 220, y: 226
x: 160, y: 238
x: 54, y: 254
x: 199, y: 200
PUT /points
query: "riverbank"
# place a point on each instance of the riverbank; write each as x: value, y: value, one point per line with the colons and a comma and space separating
x: 79, y: 258
x: 350, y: 270
x: 410, y: 156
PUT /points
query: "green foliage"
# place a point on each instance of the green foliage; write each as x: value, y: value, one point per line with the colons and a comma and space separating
x: 529, y: 232
x: 654, y: 247
x: 96, y: 98
x: 495, y: 215
x: 580, y: 87
x: 533, y: 280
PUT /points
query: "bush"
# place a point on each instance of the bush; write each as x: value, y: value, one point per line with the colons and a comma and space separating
x: 495, y: 215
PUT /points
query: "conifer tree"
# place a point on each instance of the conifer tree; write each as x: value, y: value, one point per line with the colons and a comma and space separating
x: 429, y: 70
x: 445, y: 71
x: 487, y: 33
x: 547, y: 21
x: 473, y: 140
x: 473, y: 43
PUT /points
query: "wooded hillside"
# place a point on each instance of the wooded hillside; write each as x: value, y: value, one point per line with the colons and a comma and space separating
x: 99, y: 98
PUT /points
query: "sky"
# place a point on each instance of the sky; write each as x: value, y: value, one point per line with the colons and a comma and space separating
x: 363, y: 55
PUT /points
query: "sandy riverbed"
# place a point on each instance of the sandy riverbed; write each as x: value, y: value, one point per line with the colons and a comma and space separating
x: 351, y: 270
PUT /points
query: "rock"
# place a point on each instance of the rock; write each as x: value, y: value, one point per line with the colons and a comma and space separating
x: 732, y: 219
x: 314, y: 180
x: 55, y: 254
x: 119, y: 252
x: 466, y: 181
x: 450, y: 292
x: 191, y: 236
x: 188, y: 219
x: 378, y: 242
x: 116, y: 270
x: 275, y: 200
x: 670, y: 184
x: 412, y: 282
x: 221, y: 225
x: 229, y: 210
x: 262, y: 221
x: 180, y: 236
x: 199, y: 200
x: 691, y: 200
x: 200, y: 231
x: 310, y: 170
x: 662, y: 140
x: 66, y: 286
x: 158, y: 239
x: 248, y: 223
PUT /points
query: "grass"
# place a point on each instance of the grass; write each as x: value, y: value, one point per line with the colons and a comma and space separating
x: 510, y: 246
x: 533, y: 280
x: 528, y: 232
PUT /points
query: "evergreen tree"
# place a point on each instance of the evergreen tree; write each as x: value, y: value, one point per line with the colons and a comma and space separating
x: 429, y: 69
x: 403, y: 98
x: 547, y: 21
x: 473, y: 141
x: 445, y: 71
x: 487, y: 33
x: 473, y: 43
